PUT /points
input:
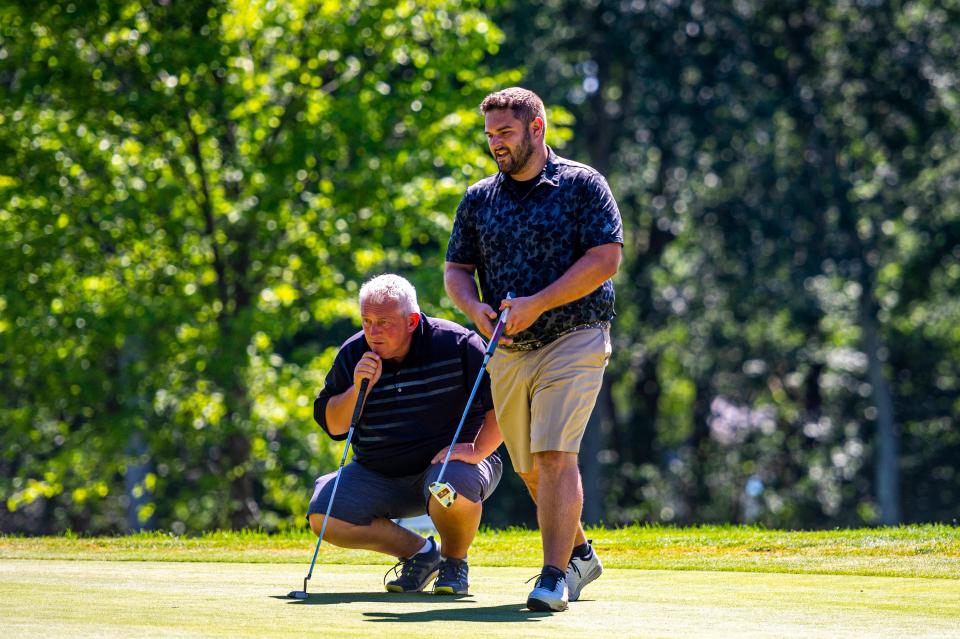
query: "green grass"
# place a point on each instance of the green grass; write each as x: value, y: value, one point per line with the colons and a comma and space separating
x: 658, y: 582
x: 151, y: 599
x: 908, y: 551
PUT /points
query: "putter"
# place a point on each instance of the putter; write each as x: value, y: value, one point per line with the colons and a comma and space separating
x: 302, y: 594
x: 444, y: 491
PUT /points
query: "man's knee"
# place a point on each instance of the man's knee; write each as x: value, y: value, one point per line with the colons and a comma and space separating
x: 338, y: 532
x: 553, y: 462
x: 461, y: 507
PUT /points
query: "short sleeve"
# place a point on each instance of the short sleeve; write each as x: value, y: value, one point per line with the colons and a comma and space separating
x: 464, y: 247
x: 339, y: 379
x: 600, y: 222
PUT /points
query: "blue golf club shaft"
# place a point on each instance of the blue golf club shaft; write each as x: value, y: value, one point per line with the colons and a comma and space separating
x: 336, y: 480
x: 491, y: 347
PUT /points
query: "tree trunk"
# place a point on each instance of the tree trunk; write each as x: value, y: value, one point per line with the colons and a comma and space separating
x: 244, y: 509
x: 698, y: 493
x: 593, y: 510
x: 887, y: 477
x: 134, y: 482
x: 138, y: 464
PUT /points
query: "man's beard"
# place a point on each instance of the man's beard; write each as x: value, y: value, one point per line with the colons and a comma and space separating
x: 517, y: 161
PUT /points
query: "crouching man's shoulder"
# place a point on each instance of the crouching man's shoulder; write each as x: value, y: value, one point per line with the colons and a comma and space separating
x: 453, y: 333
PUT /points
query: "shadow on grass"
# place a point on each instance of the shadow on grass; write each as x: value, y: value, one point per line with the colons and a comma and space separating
x: 495, y: 614
x: 459, y: 610
x: 331, y: 598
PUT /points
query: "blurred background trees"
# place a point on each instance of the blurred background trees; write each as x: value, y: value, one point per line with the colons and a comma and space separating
x: 192, y: 192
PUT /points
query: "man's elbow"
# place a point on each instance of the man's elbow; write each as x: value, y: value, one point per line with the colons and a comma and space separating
x: 319, y: 410
x: 455, y: 268
x: 610, y: 259
x: 615, y: 263
x: 455, y: 274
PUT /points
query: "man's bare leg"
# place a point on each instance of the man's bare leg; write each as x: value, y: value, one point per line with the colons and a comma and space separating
x: 381, y: 535
x: 559, y: 505
x: 532, y: 480
x: 457, y: 525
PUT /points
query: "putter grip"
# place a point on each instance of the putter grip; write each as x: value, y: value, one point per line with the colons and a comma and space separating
x: 359, y: 407
x: 498, y: 329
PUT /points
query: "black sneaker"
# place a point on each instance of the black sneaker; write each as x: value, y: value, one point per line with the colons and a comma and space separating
x: 416, y: 572
x: 550, y: 592
x: 453, y: 578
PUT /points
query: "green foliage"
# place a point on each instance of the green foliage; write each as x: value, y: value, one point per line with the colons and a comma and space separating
x: 191, y: 194
x: 782, y: 171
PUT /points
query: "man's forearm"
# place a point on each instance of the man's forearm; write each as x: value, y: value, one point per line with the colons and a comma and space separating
x: 340, y: 411
x: 489, y: 437
x: 582, y: 278
x: 461, y: 287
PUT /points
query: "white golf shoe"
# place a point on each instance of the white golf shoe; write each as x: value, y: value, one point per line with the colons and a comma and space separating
x: 549, y: 593
x: 580, y: 572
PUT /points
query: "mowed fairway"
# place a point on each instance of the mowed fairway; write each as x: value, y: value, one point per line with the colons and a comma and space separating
x: 722, y: 581
x: 57, y: 598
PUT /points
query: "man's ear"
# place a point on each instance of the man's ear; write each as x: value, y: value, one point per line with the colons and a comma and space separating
x: 413, y: 321
x: 537, y: 126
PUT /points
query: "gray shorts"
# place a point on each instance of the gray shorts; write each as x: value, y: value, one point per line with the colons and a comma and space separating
x: 364, y: 495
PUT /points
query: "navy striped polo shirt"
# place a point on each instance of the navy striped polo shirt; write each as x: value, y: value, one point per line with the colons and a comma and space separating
x: 413, y: 410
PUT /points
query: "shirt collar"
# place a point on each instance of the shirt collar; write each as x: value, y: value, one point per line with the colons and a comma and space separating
x: 548, y: 175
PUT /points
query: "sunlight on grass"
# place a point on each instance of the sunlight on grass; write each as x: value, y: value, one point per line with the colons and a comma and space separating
x: 907, y: 551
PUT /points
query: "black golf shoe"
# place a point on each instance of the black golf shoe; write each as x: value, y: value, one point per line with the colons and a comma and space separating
x: 414, y: 573
x: 453, y: 578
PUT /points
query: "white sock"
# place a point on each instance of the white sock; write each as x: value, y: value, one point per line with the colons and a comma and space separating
x: 427, y: 547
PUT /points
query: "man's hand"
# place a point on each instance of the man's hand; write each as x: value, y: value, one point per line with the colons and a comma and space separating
x: 458, y: 280
x: 463, y: 452
x: 485, y: 319
x: 369, y: 367
x: 524, y: 311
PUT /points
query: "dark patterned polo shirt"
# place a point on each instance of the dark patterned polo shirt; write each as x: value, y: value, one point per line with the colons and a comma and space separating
x: 522, y: 244
x: 413, y: 410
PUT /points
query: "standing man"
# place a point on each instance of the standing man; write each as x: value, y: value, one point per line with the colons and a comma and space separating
x: 421, y: 371
x: 548, y: 230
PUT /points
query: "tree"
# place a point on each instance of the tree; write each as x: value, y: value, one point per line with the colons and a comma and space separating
x: 771, y: 161
x: 191, y: 193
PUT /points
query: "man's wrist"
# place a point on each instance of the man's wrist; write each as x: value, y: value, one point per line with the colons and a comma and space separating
x: 476, y: 310
x: 540, y: 303
x: 475, y: 455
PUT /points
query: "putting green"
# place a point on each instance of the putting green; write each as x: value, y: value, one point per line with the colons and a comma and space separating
x: 151, y: 599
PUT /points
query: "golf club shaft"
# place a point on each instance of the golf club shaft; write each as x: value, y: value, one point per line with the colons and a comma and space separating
x: 494, y: 338
x: 346, y: 445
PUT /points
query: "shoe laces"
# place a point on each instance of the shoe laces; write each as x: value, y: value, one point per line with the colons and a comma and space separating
x: 575, y: 567
x: 394, y: 570
x: 451, y: 570
x: 547, y: 581
x: 403, y: 568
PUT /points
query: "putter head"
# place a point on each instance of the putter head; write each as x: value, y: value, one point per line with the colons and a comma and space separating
x: 298, y: 594
x: 444, y: 492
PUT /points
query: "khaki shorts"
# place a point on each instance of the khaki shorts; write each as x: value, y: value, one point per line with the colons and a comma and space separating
x: 544, y: 397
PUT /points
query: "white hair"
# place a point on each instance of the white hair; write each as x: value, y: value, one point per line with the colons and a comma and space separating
x: 390, y: 287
